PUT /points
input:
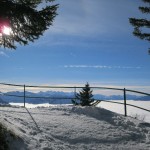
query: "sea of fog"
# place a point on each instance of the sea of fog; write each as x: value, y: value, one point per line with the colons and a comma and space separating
x: 118, y: 108
x: 131, y: 111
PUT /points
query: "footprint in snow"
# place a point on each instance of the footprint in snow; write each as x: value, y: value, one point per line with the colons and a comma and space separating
x: 22, y: 130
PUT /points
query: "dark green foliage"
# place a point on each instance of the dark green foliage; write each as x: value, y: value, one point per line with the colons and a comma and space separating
x: 74, y: 102
x: 26, y: 20
x: 144, y: 9
x: 142, y: 26
x: 146, y: 1
x: 84, y: 97
x: 3, y: 140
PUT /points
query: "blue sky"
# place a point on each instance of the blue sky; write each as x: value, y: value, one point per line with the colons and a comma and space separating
x: 90, y: 41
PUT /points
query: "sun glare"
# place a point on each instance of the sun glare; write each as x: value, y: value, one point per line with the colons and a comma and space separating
x: 6, y: 30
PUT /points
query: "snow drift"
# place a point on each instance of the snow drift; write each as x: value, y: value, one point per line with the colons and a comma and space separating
x: 75, y: 128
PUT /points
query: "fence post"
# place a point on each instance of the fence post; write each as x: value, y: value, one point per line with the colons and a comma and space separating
x: 74, y: 91
x: 125, y: 106
x: 24, y: 95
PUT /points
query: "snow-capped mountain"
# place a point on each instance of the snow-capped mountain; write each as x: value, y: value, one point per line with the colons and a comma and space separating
x: 59, y: 97
x: 2, y: 102
x: 52, y: 97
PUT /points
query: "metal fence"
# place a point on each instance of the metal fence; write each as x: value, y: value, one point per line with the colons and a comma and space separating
x: 74, y: 90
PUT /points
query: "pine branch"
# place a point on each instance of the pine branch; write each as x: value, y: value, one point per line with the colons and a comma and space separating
x: 142, y: 23
x: 143, y: 36
x: 144, y: 9
x: 139, y: 22
x: 146, y: 1
x: 27, y: 23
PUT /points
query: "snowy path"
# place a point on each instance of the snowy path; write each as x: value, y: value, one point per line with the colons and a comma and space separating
x: 75, y: 128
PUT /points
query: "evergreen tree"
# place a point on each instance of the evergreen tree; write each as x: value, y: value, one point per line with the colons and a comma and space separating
x: 84, y: 97
x: 140, y: 24
x: 26, y: 20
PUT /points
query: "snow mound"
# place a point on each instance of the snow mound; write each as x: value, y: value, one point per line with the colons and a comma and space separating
x: 75, y: 128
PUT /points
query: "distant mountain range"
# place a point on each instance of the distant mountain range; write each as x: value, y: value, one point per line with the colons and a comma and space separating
x: 2, y: 102
x: 57, y: 97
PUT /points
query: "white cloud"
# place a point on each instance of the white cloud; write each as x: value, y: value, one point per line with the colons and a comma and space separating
x: 101, y: 67
x: 97, y: 21
x: 87, y: 17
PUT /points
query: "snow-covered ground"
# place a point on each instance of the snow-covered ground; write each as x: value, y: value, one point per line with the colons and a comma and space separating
x: 74, y: 128
x: 118, y: 108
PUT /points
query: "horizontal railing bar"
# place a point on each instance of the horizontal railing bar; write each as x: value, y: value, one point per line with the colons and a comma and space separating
x: 126, y: 104
x: 11, y: 84
x: 51, y: 97
x: 39, y: 97
x: 138, y: 92
x: 60, y: 86
x: 107, y: 88
x: 138, y: 107
x: 110, y: 101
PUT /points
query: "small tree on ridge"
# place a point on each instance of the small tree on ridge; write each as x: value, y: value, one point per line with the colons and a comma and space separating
x: 84, y: 96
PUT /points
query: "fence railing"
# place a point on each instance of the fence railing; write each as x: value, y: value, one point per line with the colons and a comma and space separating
x: 124, y: 90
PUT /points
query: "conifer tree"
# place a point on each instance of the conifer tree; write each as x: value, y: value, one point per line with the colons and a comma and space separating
x: 140, y: 24
x: 84, y: 97
x: 26, y: 20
